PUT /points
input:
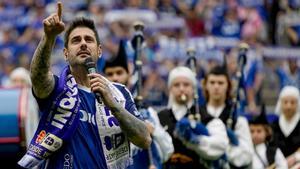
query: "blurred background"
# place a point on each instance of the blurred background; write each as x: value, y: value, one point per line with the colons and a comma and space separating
x: 213, y: 27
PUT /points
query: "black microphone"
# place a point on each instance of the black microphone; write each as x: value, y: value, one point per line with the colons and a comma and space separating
x: 91, y: 68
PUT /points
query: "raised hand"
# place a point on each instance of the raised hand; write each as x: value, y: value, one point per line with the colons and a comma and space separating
x: 53, y: 24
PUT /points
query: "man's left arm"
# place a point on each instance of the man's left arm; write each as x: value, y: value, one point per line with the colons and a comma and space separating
x: 134, y: 128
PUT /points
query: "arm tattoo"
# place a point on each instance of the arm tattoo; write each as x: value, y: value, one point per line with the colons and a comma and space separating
x: 41, y: 77
x: 134, y: 128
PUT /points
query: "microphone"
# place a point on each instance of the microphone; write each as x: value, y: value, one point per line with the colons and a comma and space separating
x: 91, y: 68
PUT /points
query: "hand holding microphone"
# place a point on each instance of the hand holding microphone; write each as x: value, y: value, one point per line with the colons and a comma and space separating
x: 99, y: 85
x: 91, y: 68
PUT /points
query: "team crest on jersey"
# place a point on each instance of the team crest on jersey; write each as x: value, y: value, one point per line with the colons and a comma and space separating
x: 51, y: 142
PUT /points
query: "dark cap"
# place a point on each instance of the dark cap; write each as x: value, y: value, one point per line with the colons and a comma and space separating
x: 261, y: 118
x: 119, y: 60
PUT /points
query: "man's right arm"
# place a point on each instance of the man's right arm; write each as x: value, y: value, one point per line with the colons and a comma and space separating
x: 42, y: 79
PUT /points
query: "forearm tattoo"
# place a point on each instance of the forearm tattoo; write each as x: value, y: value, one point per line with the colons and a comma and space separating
x: 134, y: 128
x: 42, y: 78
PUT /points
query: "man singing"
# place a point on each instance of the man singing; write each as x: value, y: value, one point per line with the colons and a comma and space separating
x: 87, y: 122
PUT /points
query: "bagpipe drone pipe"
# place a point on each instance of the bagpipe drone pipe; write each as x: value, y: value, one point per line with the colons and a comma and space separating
x: 151, y: 154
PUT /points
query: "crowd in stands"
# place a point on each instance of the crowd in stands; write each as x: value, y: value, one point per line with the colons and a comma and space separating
x: 213, y: 27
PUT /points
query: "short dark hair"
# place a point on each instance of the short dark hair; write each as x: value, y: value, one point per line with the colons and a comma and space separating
x: 219, y: 70
x: 81, y: 22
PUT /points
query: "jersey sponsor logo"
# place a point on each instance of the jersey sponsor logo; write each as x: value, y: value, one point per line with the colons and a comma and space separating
x: 40, y: 137
x: 68, y: 161
x: 51, y: 142
x: 87, y: 117
x: 112, y: 120
x: 38, y: 151
x: 114, y: 141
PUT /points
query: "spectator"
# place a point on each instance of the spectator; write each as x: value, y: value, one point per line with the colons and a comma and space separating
x: 19, y: 77
x: 155, y: 88
x: 230, y: 25
x: 290, y: 75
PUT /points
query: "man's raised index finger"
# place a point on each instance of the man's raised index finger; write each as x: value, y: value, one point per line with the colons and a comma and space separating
x: 59, y: 10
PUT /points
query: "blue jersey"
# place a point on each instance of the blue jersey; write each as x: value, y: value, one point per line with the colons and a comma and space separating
x: 85, y: 148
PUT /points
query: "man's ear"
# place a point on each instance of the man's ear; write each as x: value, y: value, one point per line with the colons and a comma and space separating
x: 66, y: 54
x: 99, y: 51
x: 202, y: 82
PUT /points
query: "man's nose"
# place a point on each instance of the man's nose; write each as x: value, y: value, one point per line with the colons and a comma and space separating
x: 83, y: 44
x: 217, y: 85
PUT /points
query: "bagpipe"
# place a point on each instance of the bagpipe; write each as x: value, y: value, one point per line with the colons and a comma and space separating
x: 239, y: 93
x: 192, y: 63
x: 137, y: 43
x: 189, y: 128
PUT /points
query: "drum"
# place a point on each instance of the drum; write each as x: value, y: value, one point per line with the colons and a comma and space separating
x: 18, y: 121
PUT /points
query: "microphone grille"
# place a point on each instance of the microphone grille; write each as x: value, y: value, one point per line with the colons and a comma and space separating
x: 89, y: 63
